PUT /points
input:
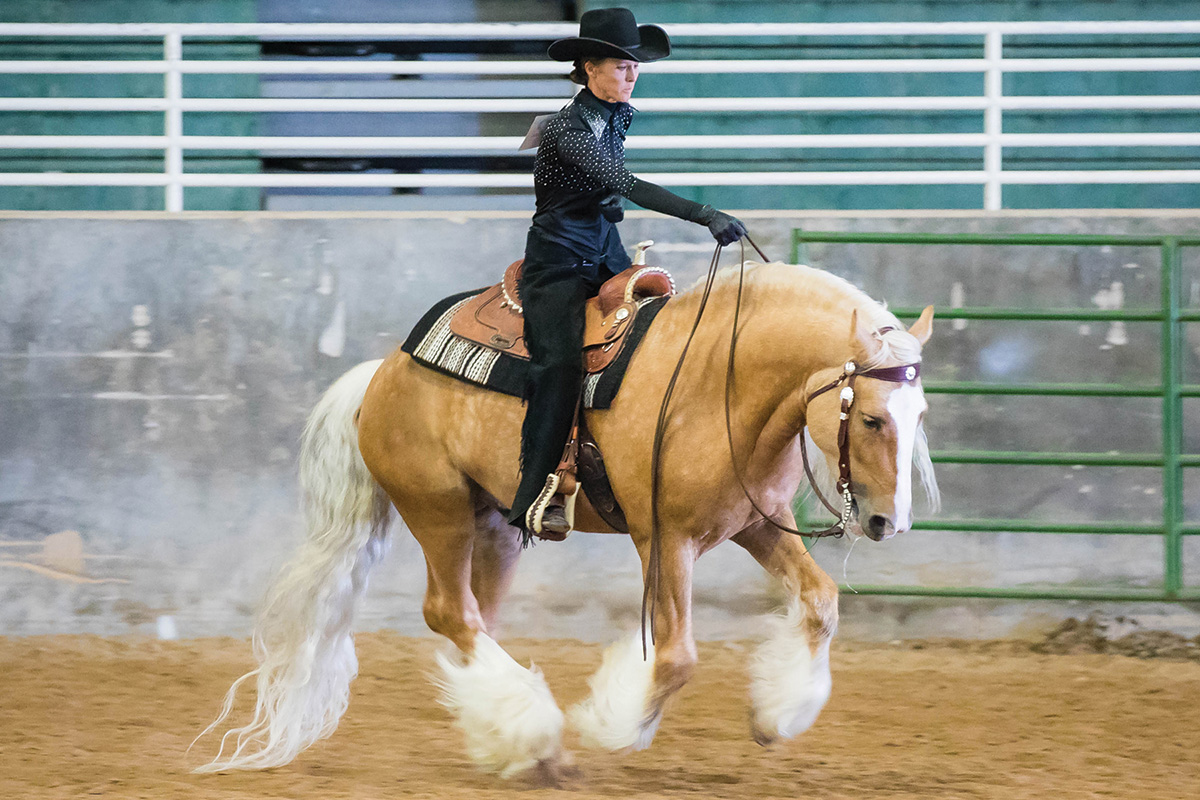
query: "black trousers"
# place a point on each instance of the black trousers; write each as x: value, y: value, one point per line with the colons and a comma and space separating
x: 553, y: 297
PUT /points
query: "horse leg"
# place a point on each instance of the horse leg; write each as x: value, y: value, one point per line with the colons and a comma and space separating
x: 506, y: 712
x: 790, y: 679
x: 630, y: 689
x: 493, y: 562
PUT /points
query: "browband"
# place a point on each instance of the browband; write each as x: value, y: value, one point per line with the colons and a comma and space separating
x: 900, y: 374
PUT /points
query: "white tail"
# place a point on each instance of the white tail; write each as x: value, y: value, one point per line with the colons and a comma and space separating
x: 302, y: 639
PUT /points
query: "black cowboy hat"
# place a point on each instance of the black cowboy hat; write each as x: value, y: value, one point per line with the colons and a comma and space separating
x: 612, y: 33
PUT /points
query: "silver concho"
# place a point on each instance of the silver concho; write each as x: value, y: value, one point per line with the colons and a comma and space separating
x: 910, y: 373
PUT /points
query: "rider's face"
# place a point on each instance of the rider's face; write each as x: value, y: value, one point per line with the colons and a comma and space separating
x: 612, y: 79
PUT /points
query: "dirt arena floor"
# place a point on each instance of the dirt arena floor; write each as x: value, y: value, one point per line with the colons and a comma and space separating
x: 89, y: 717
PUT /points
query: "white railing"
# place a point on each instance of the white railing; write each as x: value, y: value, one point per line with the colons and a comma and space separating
x: 992, y: 104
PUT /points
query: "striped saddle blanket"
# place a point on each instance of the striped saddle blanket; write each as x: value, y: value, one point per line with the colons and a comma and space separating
x: 437, y: 343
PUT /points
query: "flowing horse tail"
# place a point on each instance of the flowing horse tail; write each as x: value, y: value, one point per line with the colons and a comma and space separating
x: 302, y: 639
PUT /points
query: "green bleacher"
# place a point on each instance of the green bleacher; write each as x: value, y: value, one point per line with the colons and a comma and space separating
x: 668, y: 85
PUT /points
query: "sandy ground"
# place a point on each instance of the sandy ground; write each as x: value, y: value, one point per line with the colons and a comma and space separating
x: 91, y: 717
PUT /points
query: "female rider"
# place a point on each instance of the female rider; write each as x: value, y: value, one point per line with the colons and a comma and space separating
x: 573, y: 245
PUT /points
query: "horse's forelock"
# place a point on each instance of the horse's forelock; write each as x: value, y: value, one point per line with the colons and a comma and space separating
x: 897, y: 347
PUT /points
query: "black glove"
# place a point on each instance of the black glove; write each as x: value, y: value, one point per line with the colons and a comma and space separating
x: 612, y: 209
x: 724, y: 228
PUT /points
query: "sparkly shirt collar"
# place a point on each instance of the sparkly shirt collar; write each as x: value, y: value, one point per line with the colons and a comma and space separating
x: 602, y: 107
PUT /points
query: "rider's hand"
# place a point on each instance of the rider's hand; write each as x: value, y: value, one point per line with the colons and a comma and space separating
x: 724, y: 228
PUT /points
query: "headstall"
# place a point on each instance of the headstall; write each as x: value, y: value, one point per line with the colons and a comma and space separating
x: 850, y: 373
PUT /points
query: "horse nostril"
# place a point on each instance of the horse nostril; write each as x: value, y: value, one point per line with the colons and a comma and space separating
x: 877, y: 525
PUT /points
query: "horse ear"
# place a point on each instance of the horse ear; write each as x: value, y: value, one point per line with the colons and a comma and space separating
x: 923, y: 327
x: 863, y: 341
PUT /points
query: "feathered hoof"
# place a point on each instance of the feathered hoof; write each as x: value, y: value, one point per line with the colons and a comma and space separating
x: 789, y: 683
x: 511, y: 722
x: 616, y: 717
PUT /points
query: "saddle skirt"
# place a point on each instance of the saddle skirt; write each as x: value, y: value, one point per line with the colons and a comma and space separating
x: 495, y: 318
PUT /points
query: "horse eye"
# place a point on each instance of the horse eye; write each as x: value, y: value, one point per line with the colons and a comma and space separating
x: 873, y: 423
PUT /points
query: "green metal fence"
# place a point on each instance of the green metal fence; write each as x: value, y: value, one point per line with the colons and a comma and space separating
x: 1170, y: 459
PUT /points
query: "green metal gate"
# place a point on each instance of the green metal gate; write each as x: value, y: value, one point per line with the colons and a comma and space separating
x: 1170, y: 459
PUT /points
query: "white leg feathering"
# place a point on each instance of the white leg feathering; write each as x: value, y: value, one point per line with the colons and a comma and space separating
x: 507, y: 712
x: 789, y: 683
x: 615, y: 716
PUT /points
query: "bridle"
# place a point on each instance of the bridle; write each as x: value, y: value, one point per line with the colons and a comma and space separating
x: 850, y: 373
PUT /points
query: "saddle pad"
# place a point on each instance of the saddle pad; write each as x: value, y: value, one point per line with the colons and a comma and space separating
x: 433, y: 344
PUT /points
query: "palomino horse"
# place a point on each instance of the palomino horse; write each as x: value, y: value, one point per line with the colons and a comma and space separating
x: 445, y: 453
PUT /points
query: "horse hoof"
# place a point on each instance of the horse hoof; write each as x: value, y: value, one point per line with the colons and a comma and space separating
x: 555, y: 773
x: 762, y: 738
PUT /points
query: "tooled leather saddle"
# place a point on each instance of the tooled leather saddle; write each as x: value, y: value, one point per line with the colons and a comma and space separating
x: 494, y: 318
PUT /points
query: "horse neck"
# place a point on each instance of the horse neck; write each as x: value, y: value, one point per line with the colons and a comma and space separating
x: 794, y: 323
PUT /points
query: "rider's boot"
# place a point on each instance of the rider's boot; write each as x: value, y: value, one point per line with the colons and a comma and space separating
x: 552, y: 515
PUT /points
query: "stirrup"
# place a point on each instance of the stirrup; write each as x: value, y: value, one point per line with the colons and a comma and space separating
x: 537, y: 510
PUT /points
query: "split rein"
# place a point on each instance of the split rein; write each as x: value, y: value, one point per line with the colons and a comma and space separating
x: 850, y: 373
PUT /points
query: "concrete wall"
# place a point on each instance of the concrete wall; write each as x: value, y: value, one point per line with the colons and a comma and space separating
x: 155, y: 373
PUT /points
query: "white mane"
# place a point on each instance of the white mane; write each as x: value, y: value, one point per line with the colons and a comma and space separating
x: 898, y: 346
